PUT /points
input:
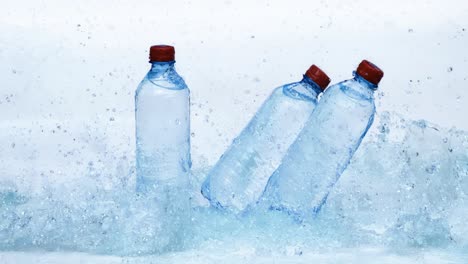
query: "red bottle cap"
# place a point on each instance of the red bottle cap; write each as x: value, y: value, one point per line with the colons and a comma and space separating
x: 318, y: 76
x: 370, y: 72
x: 161, y: 53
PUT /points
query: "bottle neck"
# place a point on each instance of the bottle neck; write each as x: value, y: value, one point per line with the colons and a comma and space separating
x: 163, y: 74
x: 365, y: 83
x: 311, y: 86
x: 161, y: 68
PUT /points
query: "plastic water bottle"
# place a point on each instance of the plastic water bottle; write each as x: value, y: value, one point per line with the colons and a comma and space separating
x: 240, y: 176
x: 323, y: 149
x: 162, y: 103
x: 162, y: 113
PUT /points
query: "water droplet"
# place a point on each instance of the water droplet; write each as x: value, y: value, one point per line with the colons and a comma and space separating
x: 13, y: 145
x: 421, y: 123
x: 431, y: 169
x: 380, y: 95
x: 112, y: 119
x: 177, y: 121
x: 410, y: 30
x: 192, y: 134
x: 252, y: 36
x: 450, y: 69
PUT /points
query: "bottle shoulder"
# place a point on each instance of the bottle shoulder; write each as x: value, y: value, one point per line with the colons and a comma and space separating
x: 298, y: 91
x: 170, y: 81
x: 353, y: 90
x: 280, y: 102
x: 339, y: 100
x: 150, y: 88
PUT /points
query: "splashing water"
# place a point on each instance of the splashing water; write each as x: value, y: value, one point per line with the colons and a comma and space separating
x: 406, y: 188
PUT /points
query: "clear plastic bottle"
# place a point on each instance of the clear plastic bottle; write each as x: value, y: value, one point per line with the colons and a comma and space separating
x: 240, y: 176
x: 162, y: 113
x: 323, y: 149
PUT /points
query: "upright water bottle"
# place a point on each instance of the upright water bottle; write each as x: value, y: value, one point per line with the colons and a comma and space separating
x: 239, y: 177
x: 162, y: 126
x: 323, y: 149
x: 162, y: 112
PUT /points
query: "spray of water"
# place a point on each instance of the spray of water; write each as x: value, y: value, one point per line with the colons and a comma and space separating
x: 407, y: 186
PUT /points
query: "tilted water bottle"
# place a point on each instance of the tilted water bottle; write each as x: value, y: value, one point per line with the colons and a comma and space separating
x: 162, y: 112
x: 239, y: 177
x: 323, y: 149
